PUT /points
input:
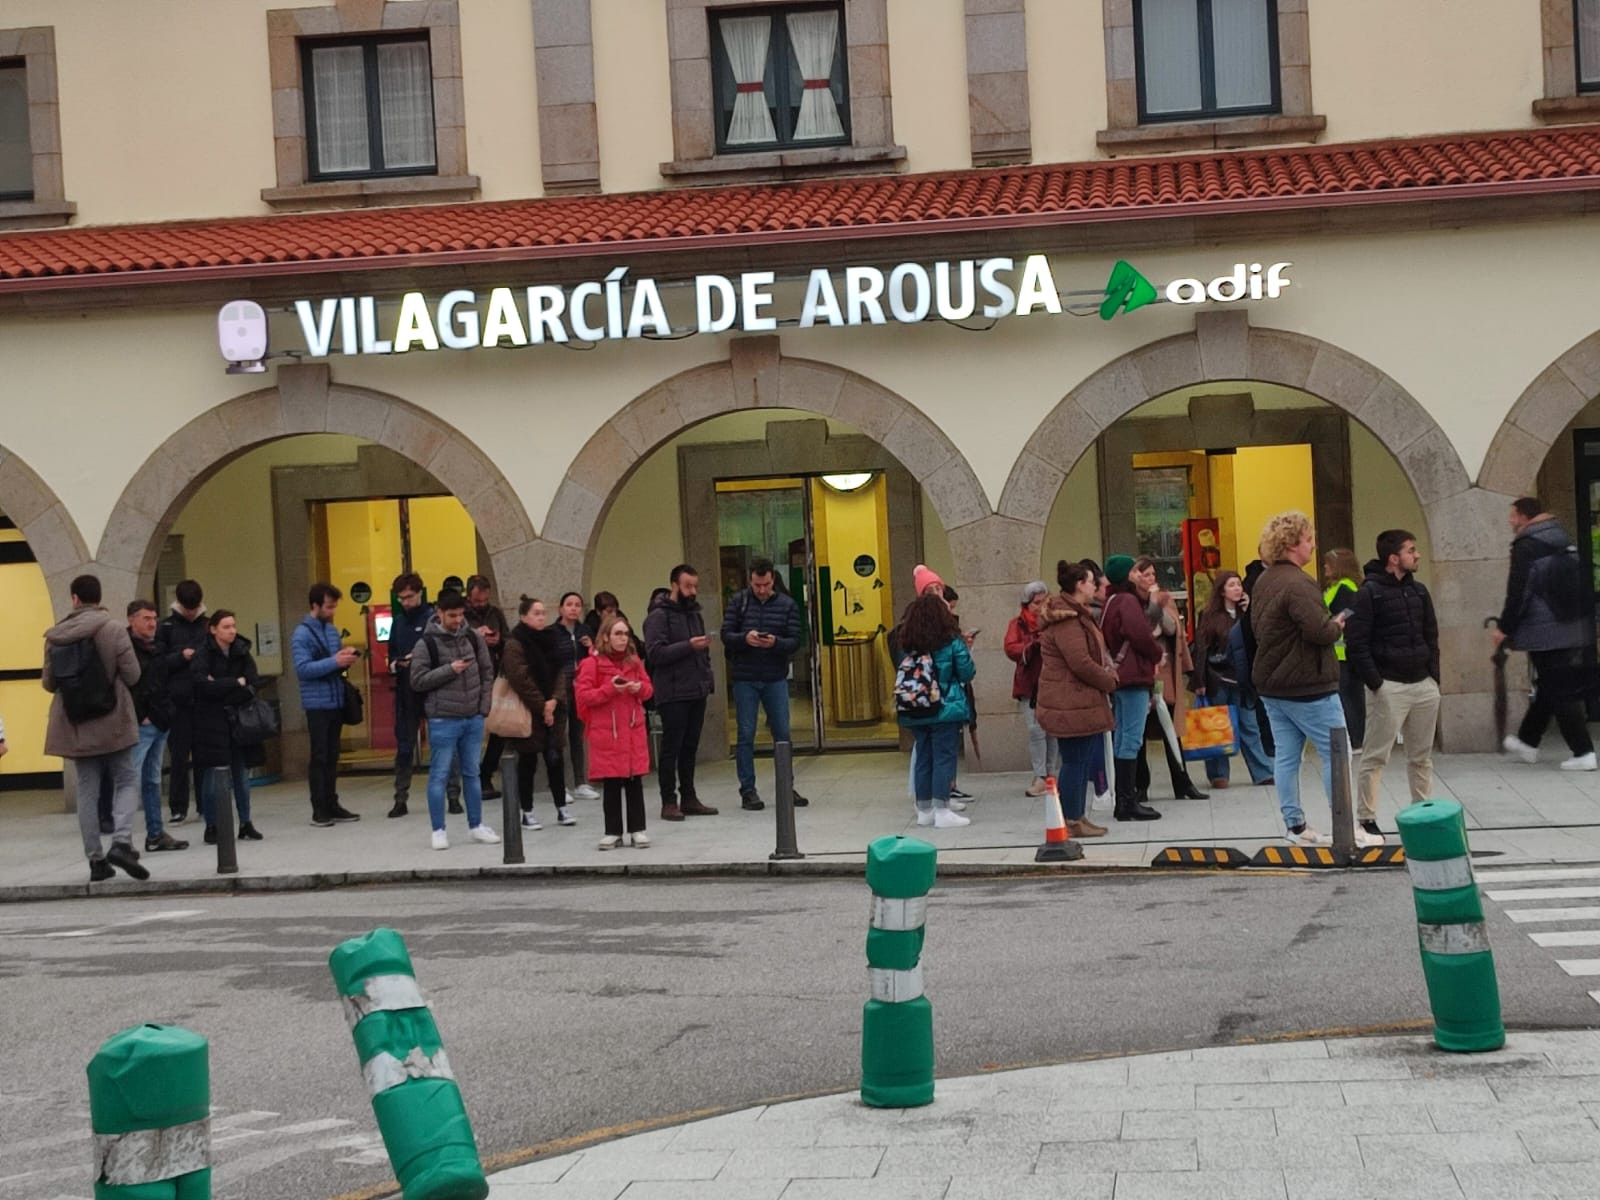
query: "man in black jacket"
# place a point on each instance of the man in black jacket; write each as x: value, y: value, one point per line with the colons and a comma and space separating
x: 1392, y: 644
x: 179, y: 637
x: 1544, y: 617
x: 760, y: 634
x: 677, y: 655
x: 152, y: 708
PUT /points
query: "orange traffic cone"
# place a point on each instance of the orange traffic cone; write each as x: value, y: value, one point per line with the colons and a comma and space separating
x: 1058, y: 844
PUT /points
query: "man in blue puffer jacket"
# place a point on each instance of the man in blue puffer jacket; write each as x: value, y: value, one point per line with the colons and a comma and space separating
x: 760, y: 634
x: 319, y: 665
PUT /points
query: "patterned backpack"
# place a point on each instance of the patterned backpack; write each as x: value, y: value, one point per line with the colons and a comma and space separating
x: 916, y: 687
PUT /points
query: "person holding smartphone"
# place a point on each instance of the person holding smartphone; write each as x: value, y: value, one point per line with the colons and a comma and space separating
x: 574, y: 643
x: 679, y: 654
x: 610, y: 693
x: 760, y: 634
x: 1341, y: 575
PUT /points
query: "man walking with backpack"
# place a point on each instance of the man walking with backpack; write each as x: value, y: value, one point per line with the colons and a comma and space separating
x: 1392, y: 646
x: 1543, y: 616
x: 760, y: 634
x: 89, y: 669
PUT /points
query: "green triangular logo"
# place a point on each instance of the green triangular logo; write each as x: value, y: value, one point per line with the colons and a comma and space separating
x: 1126, y: 290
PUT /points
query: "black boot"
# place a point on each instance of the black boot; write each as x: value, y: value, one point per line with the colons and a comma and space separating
x: 1183, y: 787
x: 1129, y: 807
x: 1141, y: 774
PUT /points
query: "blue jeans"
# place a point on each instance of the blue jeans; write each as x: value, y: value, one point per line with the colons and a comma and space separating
x: 1293, y: 723
x: 748, y: 696
x: 934, y: 748
x: 215, y: 779
x: 453, y: 740
x: 147, y: 767
x: 1131, y: 708
x: 1078, y: 758
x: 1255, y: 756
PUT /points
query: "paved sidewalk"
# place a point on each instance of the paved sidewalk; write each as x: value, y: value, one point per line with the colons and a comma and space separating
x: 1519, y: 814
x: 1351, y: 1119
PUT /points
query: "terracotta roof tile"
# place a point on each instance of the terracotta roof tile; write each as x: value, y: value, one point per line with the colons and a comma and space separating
x: 1018, y: 197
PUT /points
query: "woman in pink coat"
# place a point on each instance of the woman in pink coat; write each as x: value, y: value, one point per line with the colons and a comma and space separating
x: 610, y: 690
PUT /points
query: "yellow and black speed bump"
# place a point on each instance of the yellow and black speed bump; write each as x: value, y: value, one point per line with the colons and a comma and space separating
x: 1298, y: 856
x: 1200, y: 856
x: 1379, y: 856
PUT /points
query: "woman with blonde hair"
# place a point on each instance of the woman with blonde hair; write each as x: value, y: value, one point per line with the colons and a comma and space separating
x: 610, y: 692
x: 1341, y: 576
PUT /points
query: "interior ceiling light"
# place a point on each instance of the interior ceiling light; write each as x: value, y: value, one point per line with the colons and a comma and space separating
x: 848, y: 483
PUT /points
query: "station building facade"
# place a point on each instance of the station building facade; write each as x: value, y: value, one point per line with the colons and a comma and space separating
x: 568, y: 292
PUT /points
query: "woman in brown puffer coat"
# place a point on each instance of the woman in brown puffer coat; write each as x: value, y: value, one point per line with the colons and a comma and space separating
x: 1075, y: 685
x: 532, y: 665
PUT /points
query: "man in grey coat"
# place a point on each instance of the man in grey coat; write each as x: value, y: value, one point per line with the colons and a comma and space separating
x: 452, y: 671
x: 92, y: 722
x: 1543, y: 616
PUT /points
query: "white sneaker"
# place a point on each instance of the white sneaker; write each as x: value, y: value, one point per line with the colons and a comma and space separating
x: 1580, y: 762
x: 1308, y: 837
x: 572, y: 796
x: 610, y: 842
x: 641, y: 841
x: 958, y: 805
x: 441, y: 840
x: 943, y: 818
x: 564, y: 816
x: 529, y: 821
x: 924, y: 816
x: 584, y: 792
x: 1365, y: 840
x: 482, y: 833
x: 1035, y: 789
x: 1518, y: 748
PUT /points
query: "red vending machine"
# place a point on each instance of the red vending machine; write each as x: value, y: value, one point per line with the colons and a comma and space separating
x: 380, y: 705
x: 1202, y: 559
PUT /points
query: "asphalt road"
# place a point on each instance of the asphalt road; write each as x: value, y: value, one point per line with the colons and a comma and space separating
x: 571, y: 1007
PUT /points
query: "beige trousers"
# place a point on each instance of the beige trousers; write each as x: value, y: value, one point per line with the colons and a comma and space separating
x: 1409, y: 708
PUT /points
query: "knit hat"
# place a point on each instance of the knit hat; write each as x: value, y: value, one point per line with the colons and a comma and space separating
x: 922, y: 578
x: 1118, y: 567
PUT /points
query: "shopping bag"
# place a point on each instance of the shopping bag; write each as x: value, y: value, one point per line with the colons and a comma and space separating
x: 1210, y: 732
x: 508, y: 715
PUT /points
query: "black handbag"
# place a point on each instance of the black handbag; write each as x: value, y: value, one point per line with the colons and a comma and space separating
x: 253, y: 722
x: 354, y: 709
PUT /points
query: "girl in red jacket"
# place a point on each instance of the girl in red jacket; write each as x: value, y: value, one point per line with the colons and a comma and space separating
x: 610, y: 690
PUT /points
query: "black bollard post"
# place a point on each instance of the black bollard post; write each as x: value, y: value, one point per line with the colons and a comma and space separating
x: 783, y: 791
x: 221, y: 781
x: 1344, y: 829
x: 510, y: 812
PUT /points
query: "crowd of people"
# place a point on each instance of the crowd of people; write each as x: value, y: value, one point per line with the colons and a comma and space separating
x: 1103, y: 665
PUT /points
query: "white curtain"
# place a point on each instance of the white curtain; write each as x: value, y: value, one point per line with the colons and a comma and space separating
x: 1243, y: 53
x: 1588, y: 41
x: 1170, y: 42
x: 405, y: 104
x: 745, y: 39
x: 339, y: 81
x: 16, y: 150
x: 815, y: 36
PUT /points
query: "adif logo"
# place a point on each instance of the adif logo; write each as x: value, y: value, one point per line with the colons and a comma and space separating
x: 1127, y: 289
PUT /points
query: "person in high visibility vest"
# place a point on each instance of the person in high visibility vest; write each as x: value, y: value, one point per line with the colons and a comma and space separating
x: 1342, y: 574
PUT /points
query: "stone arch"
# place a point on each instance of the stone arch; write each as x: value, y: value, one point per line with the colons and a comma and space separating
x: 755, y: 376
x: 304, y: 401
x: 1465, y: 522
x: 1539, y: 416
x: 52, y: 534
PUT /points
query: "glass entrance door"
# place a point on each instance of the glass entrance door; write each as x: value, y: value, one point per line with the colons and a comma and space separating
x: 1586, y: 469
x: 828, y: 538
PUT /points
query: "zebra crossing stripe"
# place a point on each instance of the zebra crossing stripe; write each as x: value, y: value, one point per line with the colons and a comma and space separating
x: 1495, y: 875
x: 1553, y: 893
x: 1567, y: 937
x: 1523, y: 916
x: 1579, y: 966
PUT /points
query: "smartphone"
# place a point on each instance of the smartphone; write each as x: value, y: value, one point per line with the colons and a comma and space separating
x: 1346, y: 613
x: 619, y: 680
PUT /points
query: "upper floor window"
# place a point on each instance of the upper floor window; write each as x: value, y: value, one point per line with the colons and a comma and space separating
x: 778, y: 77
x: 16, y: 138
x: 1586, y: 24
x: 369, y: 107
x: 1206, y: 58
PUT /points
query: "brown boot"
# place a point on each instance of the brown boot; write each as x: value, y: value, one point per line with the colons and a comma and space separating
x: 1085, y: 828
x: 692, y: 807
x: 671, y: 812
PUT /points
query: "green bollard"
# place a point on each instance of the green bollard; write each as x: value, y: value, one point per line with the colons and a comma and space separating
x: 414, y: 1094
x: 897, y: 1023
x: 1456, y: 961
x: 150, y: 1108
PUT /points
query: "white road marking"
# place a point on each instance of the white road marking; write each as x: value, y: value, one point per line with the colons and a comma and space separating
x: 1567, y: 937
x: 1524, y: 915
x: 1495, y: 875
x: 176, y: 914
x: 1569, y: 893
x: 1579, y: 966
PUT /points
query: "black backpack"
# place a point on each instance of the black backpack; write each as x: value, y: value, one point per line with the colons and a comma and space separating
x: 1561, y: 582
x: 85, y: 689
